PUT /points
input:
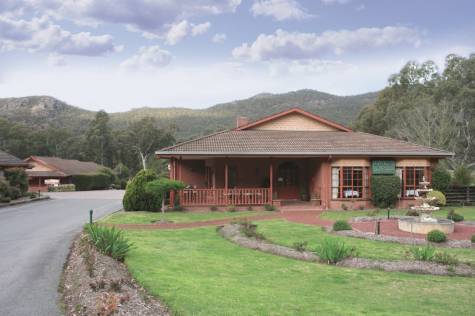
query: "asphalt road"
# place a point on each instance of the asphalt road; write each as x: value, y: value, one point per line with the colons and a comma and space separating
x: 34, y: 243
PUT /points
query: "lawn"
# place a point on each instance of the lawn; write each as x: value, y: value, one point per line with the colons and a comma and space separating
x: 175, y: 217
x: 286, y: 233
x: 196, y: 272
x: 467, y: 211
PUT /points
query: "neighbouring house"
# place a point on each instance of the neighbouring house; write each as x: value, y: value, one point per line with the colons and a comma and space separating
x: 294, y: 157
x: 53, y: 171
x: 10, y: 161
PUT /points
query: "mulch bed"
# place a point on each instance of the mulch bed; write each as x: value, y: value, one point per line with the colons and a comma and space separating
x: 95, y: 284
x: 232, y: 233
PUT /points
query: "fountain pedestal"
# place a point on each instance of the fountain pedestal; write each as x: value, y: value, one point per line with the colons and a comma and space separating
x: 424, y: 223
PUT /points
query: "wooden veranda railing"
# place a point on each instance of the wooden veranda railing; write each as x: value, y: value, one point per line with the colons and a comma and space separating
x: 219, y: 197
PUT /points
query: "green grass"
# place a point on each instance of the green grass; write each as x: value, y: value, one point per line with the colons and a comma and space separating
x: 175, y: 217
x: 467, y: 212
x: 286, y: 233
x: 196, y: 272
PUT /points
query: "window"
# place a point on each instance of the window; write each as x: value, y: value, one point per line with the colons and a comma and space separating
x: 349, y: 182
x: 410, y: 179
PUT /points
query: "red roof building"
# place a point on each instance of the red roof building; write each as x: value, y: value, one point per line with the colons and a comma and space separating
x: 48, y: 170
x: 294, y: 157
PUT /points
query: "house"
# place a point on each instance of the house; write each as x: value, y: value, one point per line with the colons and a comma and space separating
x: 10, y: 161
x: 47, y: 171
x: 294, y: 157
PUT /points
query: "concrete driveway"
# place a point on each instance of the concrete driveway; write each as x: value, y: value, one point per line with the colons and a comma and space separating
x: 34, y: 243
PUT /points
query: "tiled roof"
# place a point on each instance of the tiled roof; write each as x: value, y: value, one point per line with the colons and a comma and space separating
x: 7, y: 160
x: 68, y: 166
x: 53, y: 174
x: 306, y: 143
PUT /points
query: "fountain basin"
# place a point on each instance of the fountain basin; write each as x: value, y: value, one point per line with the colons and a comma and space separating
x: 415, y: 225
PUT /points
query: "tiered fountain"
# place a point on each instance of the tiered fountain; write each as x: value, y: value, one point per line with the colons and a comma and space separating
x: 424, y: 223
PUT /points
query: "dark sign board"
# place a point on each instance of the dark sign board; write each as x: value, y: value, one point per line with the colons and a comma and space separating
x: 383, y: 167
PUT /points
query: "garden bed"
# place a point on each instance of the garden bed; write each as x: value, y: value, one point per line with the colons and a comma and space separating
x: 95, y: 284
x: 232, y: 232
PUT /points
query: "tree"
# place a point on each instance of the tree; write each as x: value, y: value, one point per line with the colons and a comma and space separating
x: 143, y: 137
x: 99, y: 140
x: 161, y: 187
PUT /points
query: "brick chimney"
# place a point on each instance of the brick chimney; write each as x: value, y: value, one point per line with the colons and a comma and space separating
x: 241, y: 121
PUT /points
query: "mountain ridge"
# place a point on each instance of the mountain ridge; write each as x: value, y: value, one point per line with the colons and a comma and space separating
x: 48, y: 111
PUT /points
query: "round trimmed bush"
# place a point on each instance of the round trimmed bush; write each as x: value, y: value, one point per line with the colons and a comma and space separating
x: 436, y: 236
x: 439, y: 198
x: 137, y: 198
x: 341, y: 225
x: 455, y: 216
x: 385, y: 190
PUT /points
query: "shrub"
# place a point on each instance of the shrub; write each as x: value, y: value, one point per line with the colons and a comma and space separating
x: 385, y: 190
x: 91, y: 181
x: 333, y: 251
x: 439, y: 198
x: 436, y: 236
x: 300, y: 246
x: 455, y: 216
x: 441, y: 179
x: 160, y: 187
x: 15, y: 193
x: 5, y: 199
x: 109, y: 241
x: 136, y: 198
x: 62, y: 188
x: 270, y: 208
x: 412, y: 213
x: 462, y: 176
x: 473, y: 239
x: 232, y: 208
x: 344, y: 206
x: 213, y: 208
x: 4, y: 188
x: 445, y: 258
x: 423, y: 253
x: 250, y: 230
x: 341, y: 225
x: 249, y: 208
x: 18, y: 179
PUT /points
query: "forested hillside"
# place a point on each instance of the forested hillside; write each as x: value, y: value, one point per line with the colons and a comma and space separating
x: 43, y: 112
x: 430, y: 107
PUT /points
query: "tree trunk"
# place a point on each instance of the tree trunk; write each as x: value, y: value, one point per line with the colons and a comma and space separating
x: 144, y: 161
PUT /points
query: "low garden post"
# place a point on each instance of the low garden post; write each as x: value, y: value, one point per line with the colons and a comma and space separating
x: 90, y: 216
x: 378, y: 227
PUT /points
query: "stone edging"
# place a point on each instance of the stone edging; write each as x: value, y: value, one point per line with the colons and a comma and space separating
x: 403, y: 240
x: 25, y: 201
x: 232, y: 233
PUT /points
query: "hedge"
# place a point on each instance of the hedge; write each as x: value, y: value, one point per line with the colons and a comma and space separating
x: 385, y: 190
x: 18, y: 179
x: 62, y: 188
x: 92, y: 181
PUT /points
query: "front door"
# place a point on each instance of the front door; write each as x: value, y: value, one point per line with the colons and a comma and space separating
x: 288, y: 181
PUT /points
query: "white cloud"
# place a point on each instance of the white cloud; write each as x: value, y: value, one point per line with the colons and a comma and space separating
x: 280, y: 10
x: 219, y: 38
x: 360, y: 7
x: 40, y: 34
x: 147, y: 59
x: 307, y: 67
x: 328, y: 2
x: 152, y: 17
x: 200, y: 28
x: 295, y: 45
x: 177, y: 32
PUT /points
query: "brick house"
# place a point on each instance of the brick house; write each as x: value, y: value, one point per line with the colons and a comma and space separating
x: 294, y: 157
x: 53, y: 171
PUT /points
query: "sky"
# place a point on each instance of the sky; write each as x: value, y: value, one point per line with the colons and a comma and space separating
x: 121, y: 54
